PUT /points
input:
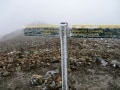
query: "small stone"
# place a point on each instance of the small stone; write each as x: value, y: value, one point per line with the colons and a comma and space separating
x: 45, y: 81
x: 10, y: 60
x: 115, y: 63
x: 101, y: 61
x: 9, y: 65
x: 59, y: 84
x: 42, y: 62
x: 51, y: 84
x: 55, y: 61
x: 33, y: 61
x: 4, y: 67
x: 69, y: 70
x: 36, y: 80
x: 37, y: 76
x: 5, y: 73
x: 51, y: 73
x: 73, y: 68
x: 18, y: 68
x: 48, y: 64
x: 22, y: 62
x: 90, y: 60
x: 104, y: 63
x: 82, y: 59
x: 108, y: 46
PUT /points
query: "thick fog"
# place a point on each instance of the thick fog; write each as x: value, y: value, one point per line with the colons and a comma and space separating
x: 14, y: 14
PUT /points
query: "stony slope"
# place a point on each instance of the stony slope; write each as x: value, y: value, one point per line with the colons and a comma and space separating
x: 93, y: 64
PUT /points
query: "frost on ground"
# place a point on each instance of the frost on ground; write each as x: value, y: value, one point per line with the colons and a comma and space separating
x: 33, y: 63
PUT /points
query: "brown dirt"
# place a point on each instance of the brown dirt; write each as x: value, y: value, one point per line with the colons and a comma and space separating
x: 20, y: 59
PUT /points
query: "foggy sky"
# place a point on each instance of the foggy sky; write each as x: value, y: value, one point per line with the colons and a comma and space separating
x: 14, y: 14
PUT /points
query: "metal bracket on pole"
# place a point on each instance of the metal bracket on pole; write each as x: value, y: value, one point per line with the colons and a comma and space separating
x: 64, y: 56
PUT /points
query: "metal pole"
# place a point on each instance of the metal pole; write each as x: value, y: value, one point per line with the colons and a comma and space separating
x: 64, y: 56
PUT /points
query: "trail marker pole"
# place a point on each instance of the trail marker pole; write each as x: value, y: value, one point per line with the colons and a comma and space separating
x: 64, y: 56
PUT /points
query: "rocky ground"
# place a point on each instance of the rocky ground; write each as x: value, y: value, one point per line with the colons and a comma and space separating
x: 34, y: 64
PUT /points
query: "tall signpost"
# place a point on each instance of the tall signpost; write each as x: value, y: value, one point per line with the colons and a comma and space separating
x: 64, y: 56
